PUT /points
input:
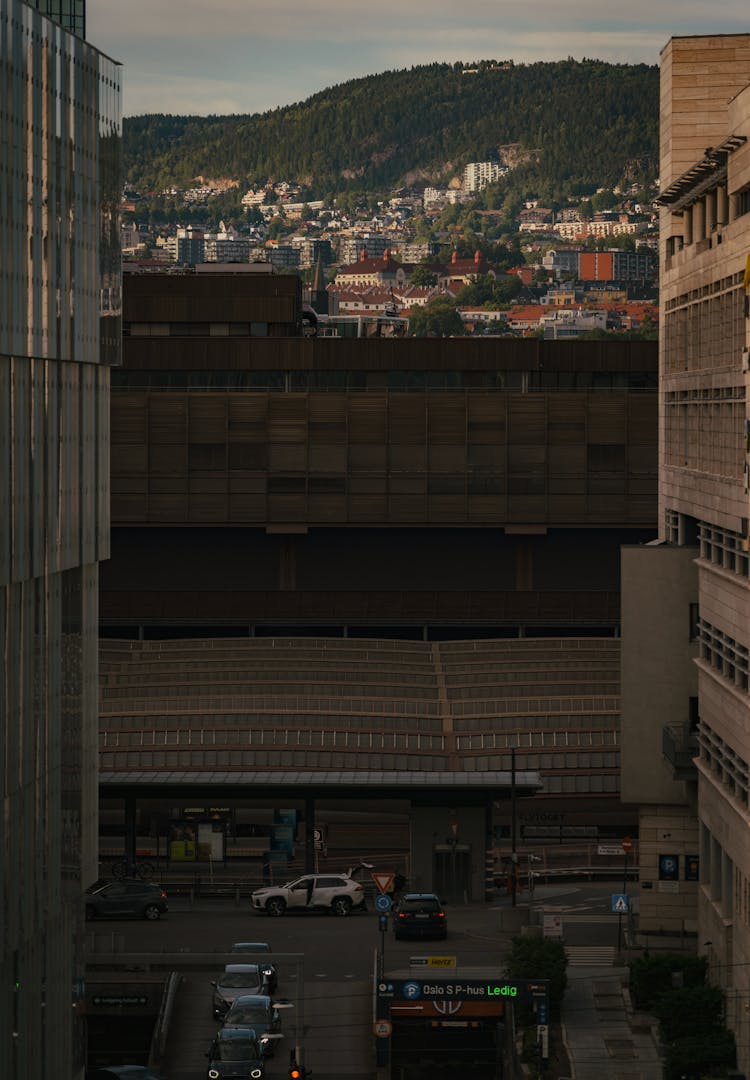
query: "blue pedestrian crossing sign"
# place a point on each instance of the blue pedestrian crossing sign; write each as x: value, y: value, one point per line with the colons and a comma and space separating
x: 620, y: 903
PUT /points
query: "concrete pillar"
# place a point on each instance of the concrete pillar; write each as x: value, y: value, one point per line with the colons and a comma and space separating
x: 722, y: 205
x: 699, y: 221
x: 687, y: 221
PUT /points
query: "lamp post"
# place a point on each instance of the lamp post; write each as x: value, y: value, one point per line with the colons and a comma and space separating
x: 513, y: 854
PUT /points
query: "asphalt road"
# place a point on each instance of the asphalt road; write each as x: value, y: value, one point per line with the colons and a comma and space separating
x: 326, y: 967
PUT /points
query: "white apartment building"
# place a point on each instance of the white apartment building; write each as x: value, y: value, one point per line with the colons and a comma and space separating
x: 478, y: 174
x: 686, y: 598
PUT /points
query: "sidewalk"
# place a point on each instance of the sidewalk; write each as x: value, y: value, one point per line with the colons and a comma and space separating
x: 602, y: 1034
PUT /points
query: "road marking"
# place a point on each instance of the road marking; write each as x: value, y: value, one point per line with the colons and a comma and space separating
x: 590, y: 955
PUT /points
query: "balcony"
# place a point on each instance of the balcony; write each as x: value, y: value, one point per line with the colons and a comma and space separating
x: 679, y: 746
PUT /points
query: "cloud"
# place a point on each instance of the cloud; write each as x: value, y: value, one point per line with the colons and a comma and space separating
x: 253, y: 55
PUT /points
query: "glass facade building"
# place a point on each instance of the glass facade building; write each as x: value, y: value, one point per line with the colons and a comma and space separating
x: 59, y: 333
x: 69, y: 13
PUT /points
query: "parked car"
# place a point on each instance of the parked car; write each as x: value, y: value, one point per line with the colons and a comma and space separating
x: 235, y: 980
x: 420, y: 915
x: 237, y: 1054
x: 337, y: 893
x: 255, y: 1011
x: 257, y: 948
x: 121, y: 898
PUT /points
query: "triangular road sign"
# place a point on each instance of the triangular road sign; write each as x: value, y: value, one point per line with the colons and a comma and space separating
x: 383, y: 882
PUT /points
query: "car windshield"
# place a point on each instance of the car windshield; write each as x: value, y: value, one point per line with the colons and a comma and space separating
x: 238, y: 1050
x: 236, y: 979
x: 420, y: 906
x: 244, y: 1015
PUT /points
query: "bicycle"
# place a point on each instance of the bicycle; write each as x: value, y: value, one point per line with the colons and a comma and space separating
x: 143, y: 870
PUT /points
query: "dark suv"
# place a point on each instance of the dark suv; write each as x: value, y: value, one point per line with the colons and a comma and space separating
x: 122, y: 898
x: 420, y: 915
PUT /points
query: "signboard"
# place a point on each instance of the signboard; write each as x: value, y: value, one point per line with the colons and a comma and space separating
x: 119, y: 999
x: 610, y: 849
x: 627, y: 843
x: 438, y: 988
x: 620, y: 903
x: 669, y: 867
x: 542, y: 1031
x: 552, y: 926
x: 692, y: 868
x: 432, y: 961
x: 382, y: 1028
x: 384, y: 882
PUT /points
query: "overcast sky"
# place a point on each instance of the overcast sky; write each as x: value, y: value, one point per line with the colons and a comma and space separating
x: 229, y: 56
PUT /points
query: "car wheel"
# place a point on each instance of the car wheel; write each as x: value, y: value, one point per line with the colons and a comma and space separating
x: 151, y: 912
x: 341, y: 905
x: 90, y: 912
x: 275, y: 906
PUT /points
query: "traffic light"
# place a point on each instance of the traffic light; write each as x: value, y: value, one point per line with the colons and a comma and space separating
x: 295, y: 1073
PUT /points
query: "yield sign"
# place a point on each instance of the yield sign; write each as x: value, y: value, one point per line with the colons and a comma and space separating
x: 383, y: 882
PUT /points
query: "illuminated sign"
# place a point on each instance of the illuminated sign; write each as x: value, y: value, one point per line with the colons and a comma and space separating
x: 413, y: 990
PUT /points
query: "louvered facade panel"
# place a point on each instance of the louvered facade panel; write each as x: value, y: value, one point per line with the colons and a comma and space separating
x: 407, y: 418
x: 287, y: 418
x: 247, y: 417
x: 566, y: 418
x: 527, y: 419
x: 368, y: 418
x: 208, y: 418
x: 128, y: 423
x: 407, y: 458
x: 127, y: 459
x: 208, y: 506
x: 487, y: 418
x: 446, y: 418
x: 247, y: 508
x: 167, y: 418
x: 164, y: 460
x: 327, y: 458
x: 607, y: 420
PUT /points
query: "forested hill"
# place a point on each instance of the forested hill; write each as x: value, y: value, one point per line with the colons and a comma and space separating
x: 588, y: 122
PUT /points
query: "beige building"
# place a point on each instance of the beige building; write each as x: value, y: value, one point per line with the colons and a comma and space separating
x: 686, y: 600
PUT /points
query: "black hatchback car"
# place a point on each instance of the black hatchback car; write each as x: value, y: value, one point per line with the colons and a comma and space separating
x: 420, y: 915
x: 120, y: 899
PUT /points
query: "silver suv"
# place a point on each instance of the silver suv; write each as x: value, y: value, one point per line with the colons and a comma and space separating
x: 337, y: 893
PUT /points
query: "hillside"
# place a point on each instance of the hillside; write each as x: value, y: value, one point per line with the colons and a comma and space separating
x: 590, y: 123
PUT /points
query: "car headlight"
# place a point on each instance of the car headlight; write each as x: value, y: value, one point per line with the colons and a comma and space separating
x: 213, y: 1073
x: 268, y: 972
x: 255, y: 1073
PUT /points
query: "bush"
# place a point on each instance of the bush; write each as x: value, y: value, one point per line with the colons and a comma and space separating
x: 700, y: 1055
x: 694, y: 1011
x: 651, y: 976
x: 539, y: 958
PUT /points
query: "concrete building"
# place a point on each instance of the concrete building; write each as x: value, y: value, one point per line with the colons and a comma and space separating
x: 60, y: 330
x: 686, y: 600
x: 478, y: 174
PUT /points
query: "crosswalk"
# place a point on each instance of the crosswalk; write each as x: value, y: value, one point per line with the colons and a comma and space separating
x: 590, y: 955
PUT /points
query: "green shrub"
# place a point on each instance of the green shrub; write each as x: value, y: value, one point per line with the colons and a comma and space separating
x: 652, y: 976
x: 539, y: 958
x: 694, y: 1011
x: 700, y: 1055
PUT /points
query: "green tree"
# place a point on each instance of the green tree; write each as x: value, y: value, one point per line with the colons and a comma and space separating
x: 439, y: 318
x: 539, y: 958
x: 422, y: 275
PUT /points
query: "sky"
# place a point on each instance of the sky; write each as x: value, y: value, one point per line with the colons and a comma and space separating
x: 246, y: 56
